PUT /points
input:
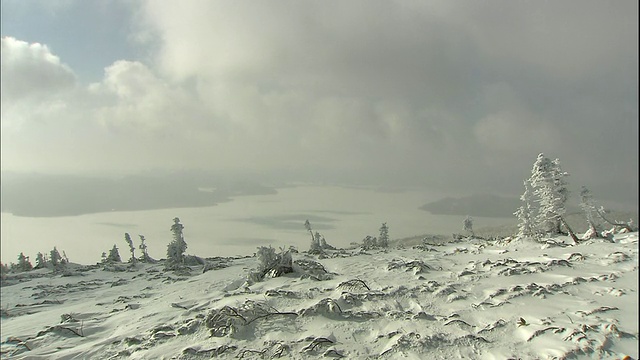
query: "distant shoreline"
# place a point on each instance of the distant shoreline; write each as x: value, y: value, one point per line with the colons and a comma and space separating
x: 59, y: 196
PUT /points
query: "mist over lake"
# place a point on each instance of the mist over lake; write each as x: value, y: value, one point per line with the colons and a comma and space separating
x: 236, y: 227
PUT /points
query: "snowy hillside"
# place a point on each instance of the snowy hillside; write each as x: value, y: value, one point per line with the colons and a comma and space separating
x: 470, y: 299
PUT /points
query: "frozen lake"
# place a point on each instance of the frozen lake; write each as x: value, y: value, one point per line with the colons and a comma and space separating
x: 343, y: 215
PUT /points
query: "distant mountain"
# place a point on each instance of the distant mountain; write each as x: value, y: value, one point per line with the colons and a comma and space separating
x: 481, y: 205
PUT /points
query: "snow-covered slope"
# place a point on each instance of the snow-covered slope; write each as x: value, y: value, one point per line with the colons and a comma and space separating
x: 469, y: 299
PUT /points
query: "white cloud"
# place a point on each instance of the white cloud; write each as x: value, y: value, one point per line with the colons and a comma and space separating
x: 431, y: 90
x: 132, y: 98
x: 30, y: 70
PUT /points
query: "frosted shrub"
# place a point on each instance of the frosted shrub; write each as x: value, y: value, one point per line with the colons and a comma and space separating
x: 272, y: 264
x: 114, y: 255
x: 266, y: 257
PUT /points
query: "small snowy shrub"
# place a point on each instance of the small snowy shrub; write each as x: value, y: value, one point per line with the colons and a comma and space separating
x: 114, y: 255
x: 271, y: 264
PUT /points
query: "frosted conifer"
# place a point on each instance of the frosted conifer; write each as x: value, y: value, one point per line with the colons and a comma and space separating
x: 143, y: 247
x: 132, y: 248
x: 55, y: 257
x: 525, y: 213
x: 41, y: 262
x: 316, y: 245
x: 467, y: 225
x: 589, y: 208
x: 549, y: 186
x: 114, y: 255
x: 23, y: 263
x: 383, y: 239
x: 177, y: 247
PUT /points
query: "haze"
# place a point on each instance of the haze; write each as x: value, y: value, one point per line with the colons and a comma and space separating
x: 453, y: 95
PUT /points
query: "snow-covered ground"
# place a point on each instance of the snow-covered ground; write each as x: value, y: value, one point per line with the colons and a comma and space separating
x: 470, y: 299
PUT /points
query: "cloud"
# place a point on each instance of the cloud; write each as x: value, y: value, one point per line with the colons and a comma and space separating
x: 31, y: 70
x: 399, y: 91
x: 132, y: 98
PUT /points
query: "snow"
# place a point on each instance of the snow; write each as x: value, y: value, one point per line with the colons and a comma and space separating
x: 462, y: 299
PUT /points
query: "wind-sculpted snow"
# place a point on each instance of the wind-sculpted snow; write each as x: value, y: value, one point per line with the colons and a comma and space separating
x: 470, y: 299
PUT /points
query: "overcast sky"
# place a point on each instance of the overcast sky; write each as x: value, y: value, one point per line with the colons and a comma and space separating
x: 441, y: 93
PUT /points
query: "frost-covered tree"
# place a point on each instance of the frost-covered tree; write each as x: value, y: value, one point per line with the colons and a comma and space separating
x: 617, y: 225
x: 132, y: 248
x: 316, y: 243
x: 467, y: 225
x: 383, y: 239
x: 369, y: 242
x: 550, y: 188
x: 23, y: 263
x: 41, y: 261
x: 526, y: 213
x: 55, y: 257
x: 177, y: 247
x: 143, y: 247
x: 114, y: 255
x: 315, y: 238
x: 588, y: 206
x: 4, y: 270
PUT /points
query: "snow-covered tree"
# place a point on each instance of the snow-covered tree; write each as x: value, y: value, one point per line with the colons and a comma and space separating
x: 369, y: 242
x: 41, y: 261
x: 550, y: 187
x: 526, y: 213
x: 143, y: 247
x: 316, y: 239
x: 114, y: 255
x: 383, y: 239
x: 23, y: 263
x: 617, y: 225
x: 588, y: 206
x: 177, y: 247
x: 467, y: 225
x: 132, y: 248
x: 316, y: 243
x: 55, y: 257
x: 4, y: 270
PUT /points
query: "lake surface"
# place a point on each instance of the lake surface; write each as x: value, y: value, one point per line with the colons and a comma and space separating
x: 343, y: 215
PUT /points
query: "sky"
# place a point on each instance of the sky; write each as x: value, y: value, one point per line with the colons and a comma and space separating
x: 457, y: 95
